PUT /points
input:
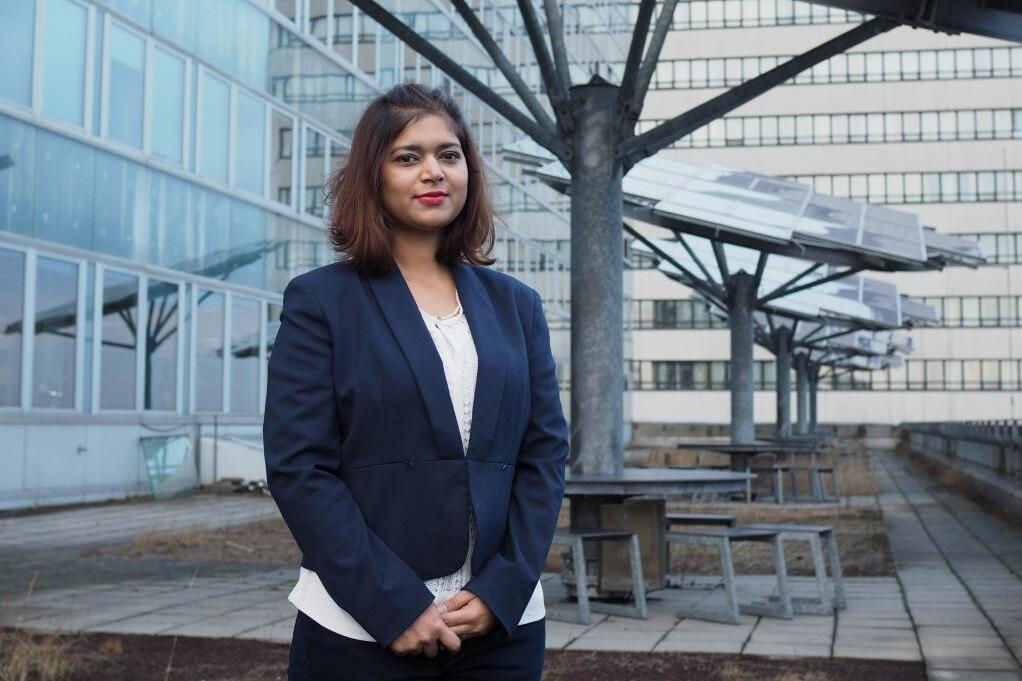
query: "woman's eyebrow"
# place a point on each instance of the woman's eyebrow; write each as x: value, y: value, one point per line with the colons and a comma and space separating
x: 416, y: 147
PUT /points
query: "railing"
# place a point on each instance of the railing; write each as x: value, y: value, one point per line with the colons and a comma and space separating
x: 993, y: 445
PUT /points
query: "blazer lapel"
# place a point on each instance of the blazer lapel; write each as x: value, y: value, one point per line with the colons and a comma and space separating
x: 402, y: 314
x: 405, y: 321
x: 490, y: 349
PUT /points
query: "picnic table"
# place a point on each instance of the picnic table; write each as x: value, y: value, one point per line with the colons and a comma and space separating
x: 741, y: 453
x: 588, y: 493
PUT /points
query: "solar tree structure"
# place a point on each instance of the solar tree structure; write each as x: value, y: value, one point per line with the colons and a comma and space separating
x: 853, y: 352
x: 753, y: 242
x: 828, y: 312
x: 591, y: 129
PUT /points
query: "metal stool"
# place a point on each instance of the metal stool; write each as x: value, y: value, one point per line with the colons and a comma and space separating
x: 816, y: 535
x: 574, y: 539
x: 722, y: 538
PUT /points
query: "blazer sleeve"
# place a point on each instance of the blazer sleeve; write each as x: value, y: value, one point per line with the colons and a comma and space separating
x: 506, y: 582
x: 301, y: 438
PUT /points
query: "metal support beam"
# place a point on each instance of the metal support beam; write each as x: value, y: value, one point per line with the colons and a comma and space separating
x: 665, y: 134
x: 725, y: 273
x: 783, y: 382
x: 814, y: 383
x: 504, y: 65
x: 559, y: 97
x: 706, y: 287
x: 635, y: 50
x: 740, y: 320
x: 695, y: 258
x: 547, y: 139
x: 597, y: 352
x: 788, y: 290
x: 802, y: 393
x: 633, y: 108
x: 555, y: 24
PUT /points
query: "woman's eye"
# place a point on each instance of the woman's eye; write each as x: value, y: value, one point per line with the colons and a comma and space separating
x: 405, y: 157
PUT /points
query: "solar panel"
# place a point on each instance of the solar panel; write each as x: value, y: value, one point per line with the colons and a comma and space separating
x: 740, y: 205
x: 736, y: 200
x: 855, y: 298
x: 918, y: 313
x: 952, y: 249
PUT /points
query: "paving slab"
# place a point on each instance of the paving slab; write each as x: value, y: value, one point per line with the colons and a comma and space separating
x: 955, y: 564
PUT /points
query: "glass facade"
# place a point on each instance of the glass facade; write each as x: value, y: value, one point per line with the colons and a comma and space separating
x: 12, y: 300
x: 162, y: 167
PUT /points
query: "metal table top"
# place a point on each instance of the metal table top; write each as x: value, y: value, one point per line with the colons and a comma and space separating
x: 723, y: 445
x: 636, y: 481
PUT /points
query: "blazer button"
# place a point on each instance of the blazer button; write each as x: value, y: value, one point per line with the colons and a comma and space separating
x: 504, y: 467
x: 410, y: 463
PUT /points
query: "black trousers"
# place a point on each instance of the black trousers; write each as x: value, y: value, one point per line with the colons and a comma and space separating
x: 318, y: 654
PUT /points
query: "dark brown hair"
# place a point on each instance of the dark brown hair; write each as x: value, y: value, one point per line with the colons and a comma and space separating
x: 360, y: 228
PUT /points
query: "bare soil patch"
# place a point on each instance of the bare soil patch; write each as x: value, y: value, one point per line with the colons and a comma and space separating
x: 117, y: 657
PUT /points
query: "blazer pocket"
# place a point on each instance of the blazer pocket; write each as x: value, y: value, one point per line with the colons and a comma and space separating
x: 417, y: 508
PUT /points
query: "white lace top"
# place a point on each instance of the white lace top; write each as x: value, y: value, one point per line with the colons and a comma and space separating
x: 454, y: 343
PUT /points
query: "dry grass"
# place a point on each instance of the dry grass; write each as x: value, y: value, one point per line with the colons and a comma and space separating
x: 854, y: 468
x: 855, y: 475
x: 42, y: 657
x: 264, y: 541
x: 861, y: 537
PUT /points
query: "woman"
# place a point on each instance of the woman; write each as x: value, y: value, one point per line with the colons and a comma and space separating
x: 413, y: 431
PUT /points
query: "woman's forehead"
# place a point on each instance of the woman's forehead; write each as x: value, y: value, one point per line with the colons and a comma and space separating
x: 431, y: 130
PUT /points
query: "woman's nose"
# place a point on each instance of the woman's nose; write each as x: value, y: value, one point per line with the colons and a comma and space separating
x: 431, y: 168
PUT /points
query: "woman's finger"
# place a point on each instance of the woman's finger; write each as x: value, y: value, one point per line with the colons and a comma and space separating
x: 465, y: 630
x: 460, y: 616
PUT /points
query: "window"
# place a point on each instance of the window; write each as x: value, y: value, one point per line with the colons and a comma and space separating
x: 316, y: 145
x: 118, y: 341
x: 209, y: 350
x: 215, y: 96
x: 168, y: 84
x: 64, y: 61
x: 250, y: 143
x: 56, y: 334
x: 12, y: 292
x: 16, y: 32
x: 161, y: 343
x: 125, y: 77
x: 282, y: 130
x: 244, y: 355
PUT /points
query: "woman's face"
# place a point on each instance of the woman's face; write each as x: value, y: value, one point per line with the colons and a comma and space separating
x: 424, y: 180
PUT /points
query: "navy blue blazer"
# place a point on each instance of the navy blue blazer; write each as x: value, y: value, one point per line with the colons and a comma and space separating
x: 364, y: 456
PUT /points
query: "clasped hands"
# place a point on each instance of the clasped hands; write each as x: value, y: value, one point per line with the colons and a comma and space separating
x: 462, y: 616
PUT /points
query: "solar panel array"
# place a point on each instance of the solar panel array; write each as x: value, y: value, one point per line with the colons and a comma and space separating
x: 871, y: 302
x: 763, y: 208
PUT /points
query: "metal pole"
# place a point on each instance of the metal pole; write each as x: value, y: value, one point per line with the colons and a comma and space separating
x: 802, y: 392
x: 814, y: 382
x: 597, y: 267
x: 742, y: 299
x: 783, y: 382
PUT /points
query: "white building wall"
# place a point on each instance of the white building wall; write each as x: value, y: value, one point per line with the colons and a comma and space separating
x: 877, y: 406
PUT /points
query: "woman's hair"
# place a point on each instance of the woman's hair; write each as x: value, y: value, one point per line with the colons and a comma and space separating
x: 359, y: 226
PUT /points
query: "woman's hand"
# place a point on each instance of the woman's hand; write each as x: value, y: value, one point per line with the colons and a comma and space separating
x: 424, y: 634
x: 467, y: 615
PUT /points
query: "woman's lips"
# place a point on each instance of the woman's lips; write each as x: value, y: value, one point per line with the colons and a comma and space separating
x: 431, y: 200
